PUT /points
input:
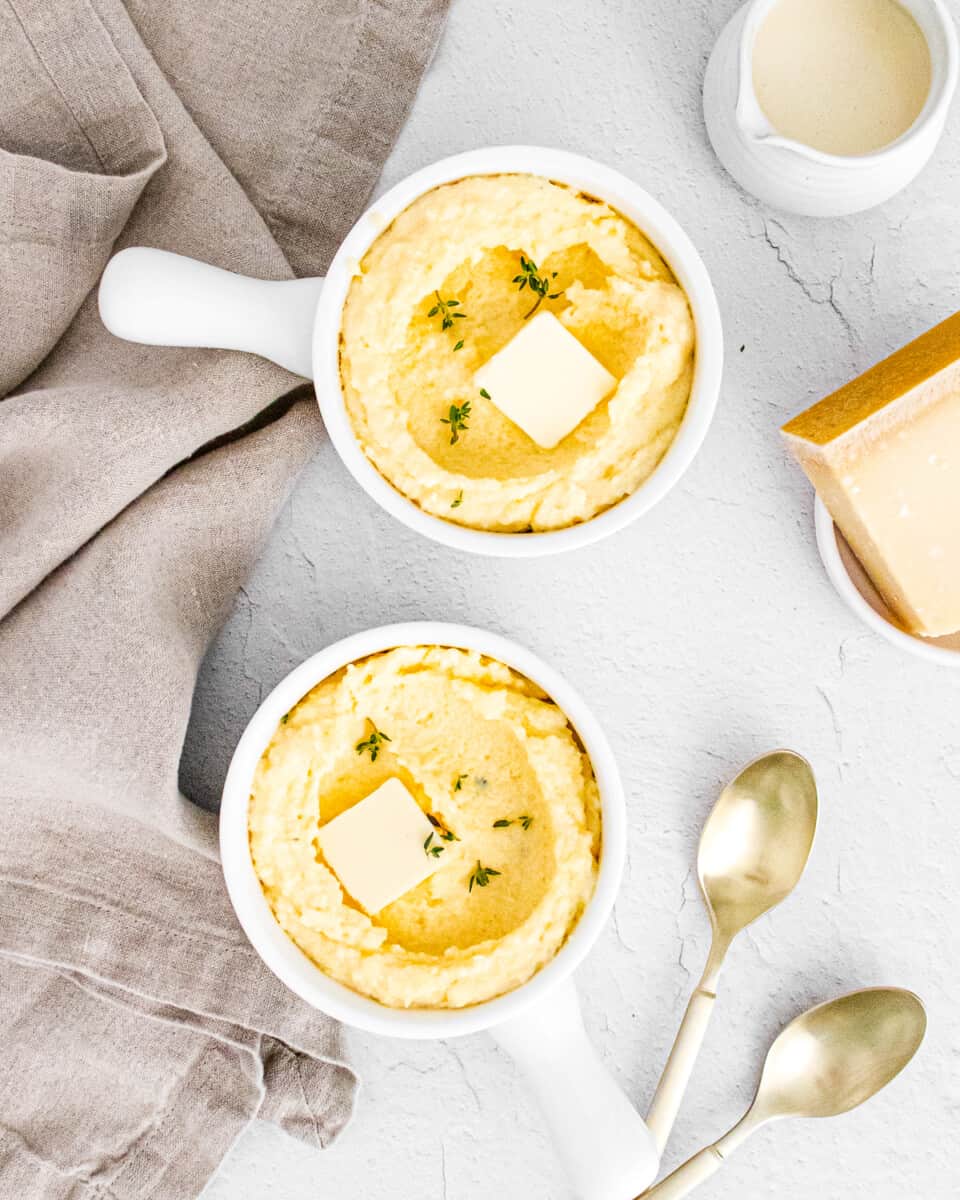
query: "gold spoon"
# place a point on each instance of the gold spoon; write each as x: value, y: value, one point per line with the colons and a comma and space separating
x: 825, y: 1062
x: 753, y: 849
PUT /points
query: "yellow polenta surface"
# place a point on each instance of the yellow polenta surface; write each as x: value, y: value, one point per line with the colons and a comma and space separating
x: 449, y: 714
x: 401, y: 374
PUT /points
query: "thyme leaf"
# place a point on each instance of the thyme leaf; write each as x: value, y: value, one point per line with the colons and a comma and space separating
x: 444, y: 831
x: 540, y: 284
x: 457, y: 420
x: 524, y: 822
x: 371, y: 745
x: 446, y: 310
x: 481, y: 876
x: 430, y: 850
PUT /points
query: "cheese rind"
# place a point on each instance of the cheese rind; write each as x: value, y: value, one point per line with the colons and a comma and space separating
x: 545, y: 380
x: 884, y: 455
x: 375, y: 848
x: 880, y: 386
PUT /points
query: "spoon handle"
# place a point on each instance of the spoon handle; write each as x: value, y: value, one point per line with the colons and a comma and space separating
x: 679, y: 1068
x: 684, y: 1179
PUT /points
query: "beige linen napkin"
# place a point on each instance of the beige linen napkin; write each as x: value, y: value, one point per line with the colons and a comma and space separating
x: 140, y: 1032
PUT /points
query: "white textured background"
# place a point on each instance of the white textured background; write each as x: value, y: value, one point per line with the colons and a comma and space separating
x: 702, y: 636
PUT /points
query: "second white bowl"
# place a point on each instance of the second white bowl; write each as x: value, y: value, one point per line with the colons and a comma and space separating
x: 279, y: 952
x: 605, y: 1144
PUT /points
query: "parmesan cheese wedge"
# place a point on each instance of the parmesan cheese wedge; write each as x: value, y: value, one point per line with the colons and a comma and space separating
x: 883, y: 453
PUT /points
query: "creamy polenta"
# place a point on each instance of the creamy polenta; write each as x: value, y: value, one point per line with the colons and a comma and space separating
x: 494, y: 762
x: 438, y: 294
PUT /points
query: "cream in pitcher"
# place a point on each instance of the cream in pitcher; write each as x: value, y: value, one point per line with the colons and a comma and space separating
x: 830, y: 107
x: 842, y: 76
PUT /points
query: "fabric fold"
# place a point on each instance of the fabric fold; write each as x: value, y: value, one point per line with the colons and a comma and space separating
x: 137, y: 486
x: 79, y: 145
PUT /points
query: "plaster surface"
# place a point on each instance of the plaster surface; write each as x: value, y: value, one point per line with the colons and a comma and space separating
x: 702, y: 636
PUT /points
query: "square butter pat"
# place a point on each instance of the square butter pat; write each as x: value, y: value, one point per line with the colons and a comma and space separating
x: 545, y: 380
x: 376, y: 849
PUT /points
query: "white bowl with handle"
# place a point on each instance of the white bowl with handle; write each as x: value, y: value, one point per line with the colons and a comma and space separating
x: 605, y: 1144
x: 164, y: 299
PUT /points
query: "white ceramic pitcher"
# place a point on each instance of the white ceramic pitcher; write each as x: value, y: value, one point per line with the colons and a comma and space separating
x: 798, y: 178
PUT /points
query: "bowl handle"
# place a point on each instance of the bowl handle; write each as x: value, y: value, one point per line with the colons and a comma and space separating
x: 165, y: 299
x: 608, y: 1151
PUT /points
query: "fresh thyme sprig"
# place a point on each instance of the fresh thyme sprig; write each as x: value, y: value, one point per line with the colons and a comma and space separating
x: 538, y: 284
x: 430, y: 850
x: 442, y: 828
x: 481, y: 876
x: 445, y: 310
x: 525, y: 822
x: 457, y: 420
x: 372, y: 744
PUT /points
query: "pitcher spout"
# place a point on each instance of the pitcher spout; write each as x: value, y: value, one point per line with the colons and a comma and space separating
x: 752, y: 121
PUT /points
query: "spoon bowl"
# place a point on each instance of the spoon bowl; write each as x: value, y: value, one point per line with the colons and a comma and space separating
x: 757, y: 840
x: 828, y: 1060
x: 841, y: 1053
x: 753, y: 849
